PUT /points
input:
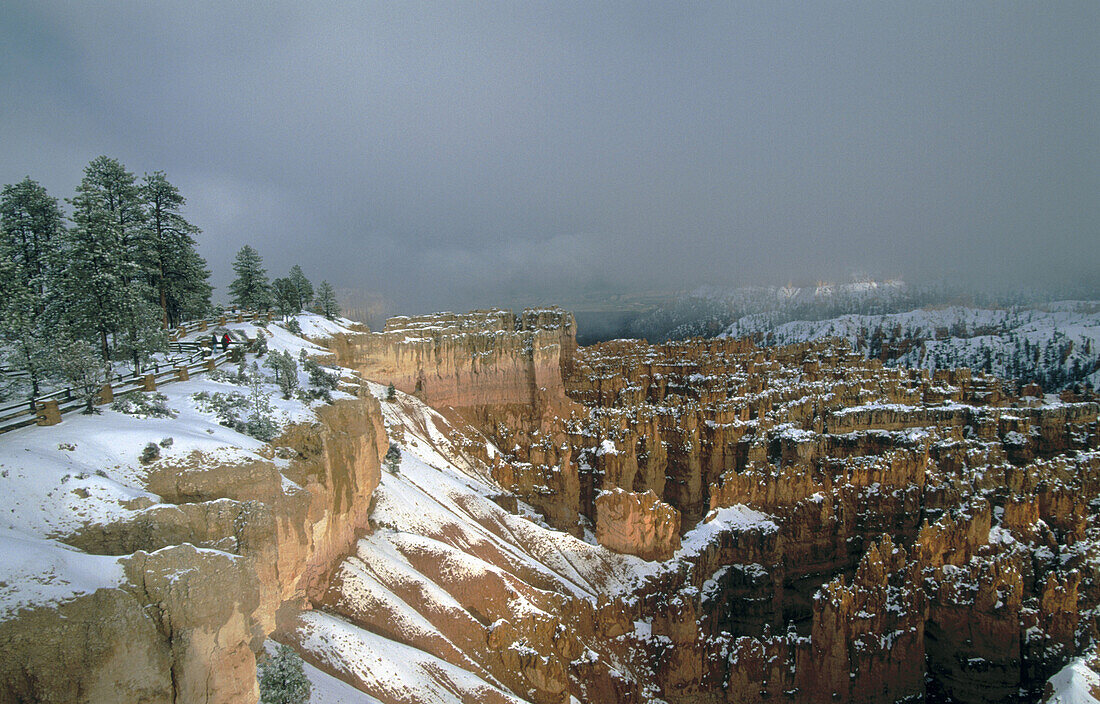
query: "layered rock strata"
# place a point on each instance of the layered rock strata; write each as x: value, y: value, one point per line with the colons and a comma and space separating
x: 932, y: 535
x: 232, y: 549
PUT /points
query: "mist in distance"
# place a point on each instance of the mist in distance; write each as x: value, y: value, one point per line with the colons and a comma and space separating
x: 469, y: 155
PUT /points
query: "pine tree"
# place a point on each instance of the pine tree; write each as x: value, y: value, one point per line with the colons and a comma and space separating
x: 76, y: 363
x: 30, y: 233
x: 326, y: 301
x: 302, y: 286
x: 285, y: 295
x: 260, y: 423
x: 393, y: 459
x: 177, y: 274
x: 286, y: 371
x: 282, y: 678
x: 107, y: 256
x: 250, y: 289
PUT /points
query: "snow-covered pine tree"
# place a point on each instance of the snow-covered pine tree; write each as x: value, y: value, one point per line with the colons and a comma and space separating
x: 176, y: 273
x: 392, y: 459
x: 260, y: 423
x: 31, y: 227
x: 282, y: 678
x: 302, y: 286
x: 105, y: 250
x: 285, y: 295
x: 76, y: 363
x: 251, y: 288
x: 326, y: 301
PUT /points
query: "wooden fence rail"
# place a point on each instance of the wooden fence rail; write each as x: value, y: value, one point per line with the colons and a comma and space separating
x: 192, y: 357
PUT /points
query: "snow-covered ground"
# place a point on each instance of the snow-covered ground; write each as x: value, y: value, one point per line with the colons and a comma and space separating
x: 86, y: 470
x: 1076, y: 683
x: 1057, y: 345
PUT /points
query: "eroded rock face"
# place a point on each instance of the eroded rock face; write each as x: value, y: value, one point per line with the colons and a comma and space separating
x: 962, y: 512
x: 637, y: 524
x: 100, y: 647
x: 233, y: 549
x: 470, y: 361
x: 830, y: 530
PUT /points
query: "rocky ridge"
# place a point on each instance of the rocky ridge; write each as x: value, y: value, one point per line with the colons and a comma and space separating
x: 918, y: 518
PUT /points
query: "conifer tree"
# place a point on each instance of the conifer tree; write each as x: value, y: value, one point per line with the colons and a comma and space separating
x: 302, y: 286
x: 177, y: 274
x: 285, y: 295
x: 251, y: 288
x: 282, y: 678
x: 104, y: 280
x: 30, y: 232
x: 326, y: 301
x: 75, y: 362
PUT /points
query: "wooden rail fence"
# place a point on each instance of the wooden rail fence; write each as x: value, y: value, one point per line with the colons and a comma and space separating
x: 192, y: 358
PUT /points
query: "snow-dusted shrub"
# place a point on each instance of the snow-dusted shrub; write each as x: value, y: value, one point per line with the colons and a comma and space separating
x: 141, y: 404
x: 286, y: 371
x: 166, y: 442
x: 259, y: 345
x: 151, y: 453
x: 293, y: 326
x: 227, y: 407
x: 393, y: 459
x: 391, y: 393
x: 260, y: 423
x: 308, y: 395
x: 283, y: 679
x: 318, y: 376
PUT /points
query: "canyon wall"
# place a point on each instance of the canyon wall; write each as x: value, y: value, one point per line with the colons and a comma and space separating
x: 234, y: 548
x: 934, y: 536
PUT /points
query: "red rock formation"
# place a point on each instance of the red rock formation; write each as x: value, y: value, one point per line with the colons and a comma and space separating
x: 637, y: 524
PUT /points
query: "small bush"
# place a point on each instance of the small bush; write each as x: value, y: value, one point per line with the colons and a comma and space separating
x: 282, y: 678
x: 258, y: 415
x: 227, y: 407
x: 259, y: 345
x: 308, y: 395
x: 166, y: 442
x: 144, y: 405
x: 151, y: 453
x: 391, y: 393
x: 293, y: 326
x: 228, y: 377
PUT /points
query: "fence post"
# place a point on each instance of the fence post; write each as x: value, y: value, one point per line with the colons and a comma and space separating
x: 211, y: 365
x: 202, y: 325
x: 240, y: 317
x: 149, y: 382
x: 48, y: 413
x: 222, y: 321
x: 182, y: 374
x: 106, y: 394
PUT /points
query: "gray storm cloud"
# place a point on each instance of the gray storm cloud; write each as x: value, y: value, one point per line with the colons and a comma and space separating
x: 446, y: 156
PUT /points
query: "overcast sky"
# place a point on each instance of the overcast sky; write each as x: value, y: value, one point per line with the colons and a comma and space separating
x: 447, y: 155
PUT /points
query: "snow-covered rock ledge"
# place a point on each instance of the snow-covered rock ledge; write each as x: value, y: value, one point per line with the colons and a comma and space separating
x: 126, y: 580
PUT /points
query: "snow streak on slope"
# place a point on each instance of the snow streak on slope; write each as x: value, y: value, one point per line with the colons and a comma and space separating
x: 1076, y: 683
x: 1057, y: 346
x: 409, y: 613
